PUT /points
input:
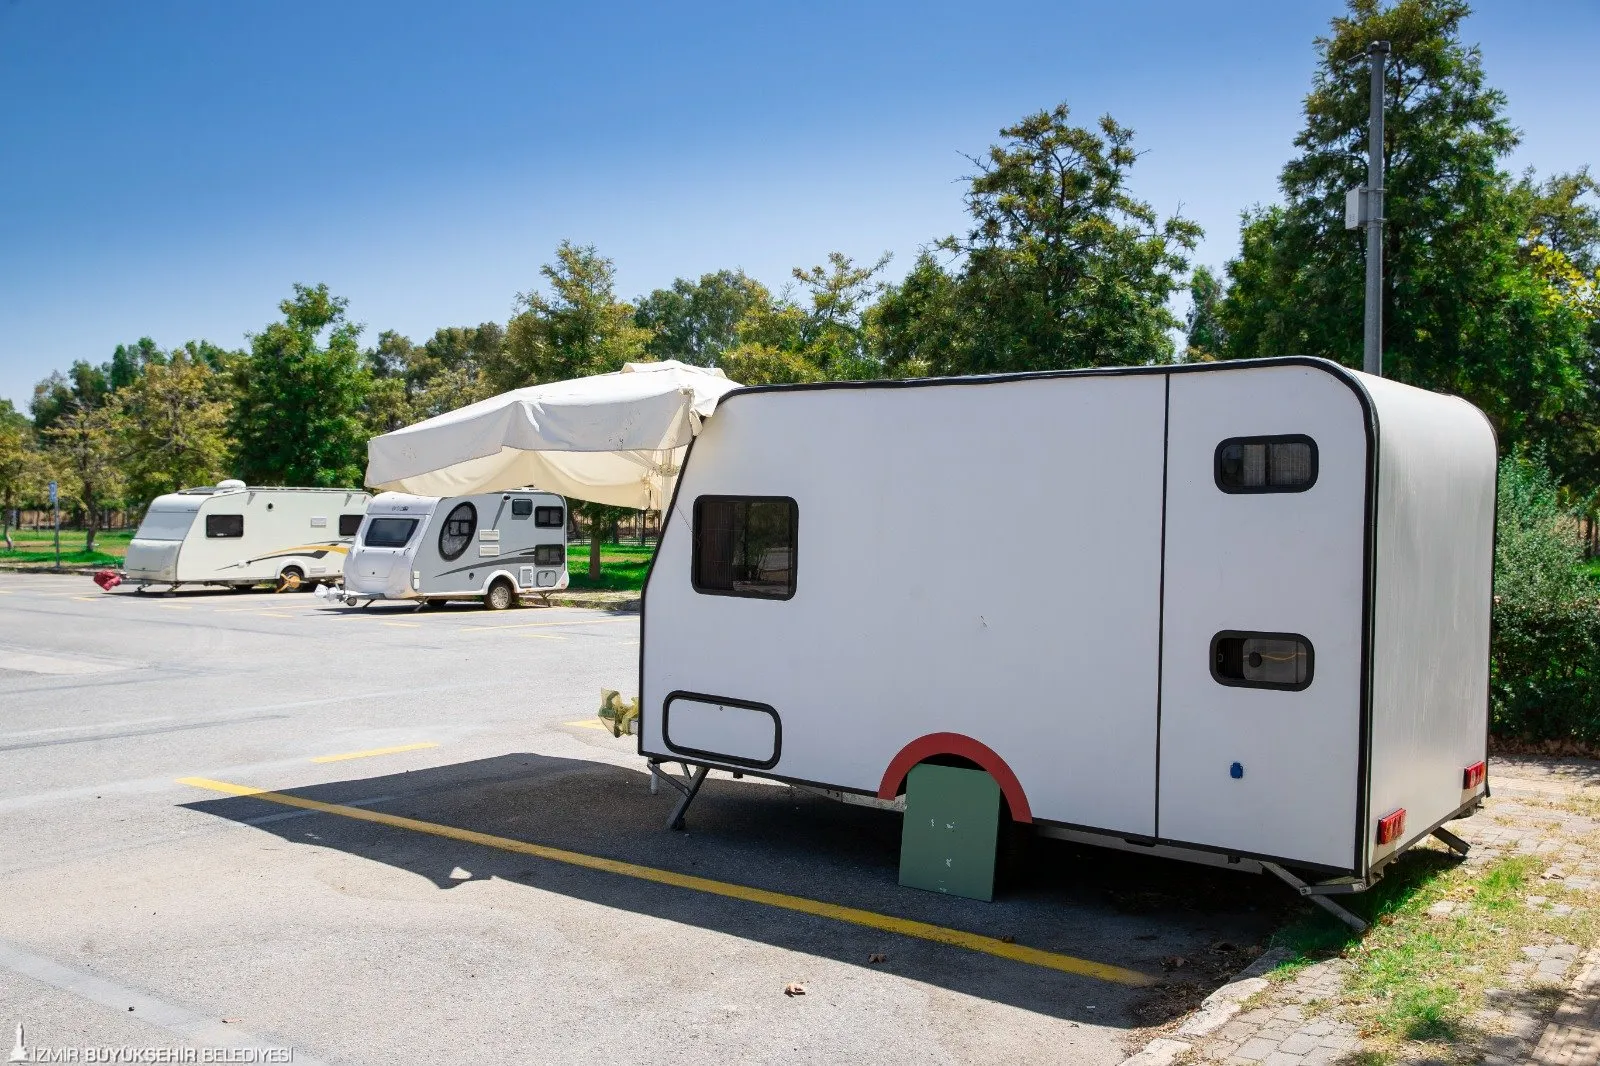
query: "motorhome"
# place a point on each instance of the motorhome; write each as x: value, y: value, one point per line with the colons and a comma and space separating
x: 1232, y: 612
x: 238, y: 535
x: 495, y: 547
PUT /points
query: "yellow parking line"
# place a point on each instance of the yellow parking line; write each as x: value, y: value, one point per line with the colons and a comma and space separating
x: 545, y: 625
x: 178, y: 606
x: 588, y: 723
x: 404, y: 625
x: 887, y: 923
x: 376, y: 751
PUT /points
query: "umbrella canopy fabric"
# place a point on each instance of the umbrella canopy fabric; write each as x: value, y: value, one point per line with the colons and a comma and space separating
x: 614, y: 438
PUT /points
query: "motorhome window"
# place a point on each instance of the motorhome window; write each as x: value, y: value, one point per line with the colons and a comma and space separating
x: 549, y: 555
x: 745, y: 545
x: 165, y: 525
x: 1262, y: 660
x: 224, y: 525
x: 521, y: 508
x: 389, y: 532
x: 549, y: 518
x: 349, y: 524
x: 1266, y: 464
x: 456, y: 533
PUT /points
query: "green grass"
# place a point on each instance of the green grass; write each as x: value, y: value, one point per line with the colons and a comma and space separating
x: 1417, y: 977
x: 622, y: 567
x: 37, y: 547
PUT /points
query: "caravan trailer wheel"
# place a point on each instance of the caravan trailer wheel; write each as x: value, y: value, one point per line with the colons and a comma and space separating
x: 500, y: 596
x: 290, y: 579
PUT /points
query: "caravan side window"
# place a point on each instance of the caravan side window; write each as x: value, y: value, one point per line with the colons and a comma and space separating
x: 349, y: 524
x: 1262, y: 660
x: 521, y: 508
x: 745, y: 546
x: 549, y: 518
x: 1266, y: 464
x: 456, y: 533
x: 224, y: 525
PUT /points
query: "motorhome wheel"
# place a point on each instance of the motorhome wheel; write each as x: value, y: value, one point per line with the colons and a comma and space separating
x: 290, y: 579
x: 500, y: 596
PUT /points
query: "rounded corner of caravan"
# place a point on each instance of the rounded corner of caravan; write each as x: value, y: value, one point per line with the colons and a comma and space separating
x: 494, y: 547
x: 1262, y: 629
x: 236, y: 535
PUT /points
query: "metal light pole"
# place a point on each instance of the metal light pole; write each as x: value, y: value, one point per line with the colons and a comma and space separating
x: 1372, y: 340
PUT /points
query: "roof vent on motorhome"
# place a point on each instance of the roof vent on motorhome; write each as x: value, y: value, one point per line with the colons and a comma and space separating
x: 230, y: 483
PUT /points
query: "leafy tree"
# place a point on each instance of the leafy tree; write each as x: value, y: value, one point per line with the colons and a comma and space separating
x: 1466, y: 310
x: 580, y: 328
x: 174, y: 419
x: 83, y: 386
x: 1207, y: 339
x: 1063, y: 266
x: 296, y: 417
x: 83, y: 443
x: 697, y: 321
x: 832, y: 333
x: 21, y: 466
x: 917, y: 324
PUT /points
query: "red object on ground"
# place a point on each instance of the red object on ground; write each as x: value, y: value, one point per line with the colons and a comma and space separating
x: 107, y: 579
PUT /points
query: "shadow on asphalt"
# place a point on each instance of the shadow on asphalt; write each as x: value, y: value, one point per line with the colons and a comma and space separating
x: 1189, y: 926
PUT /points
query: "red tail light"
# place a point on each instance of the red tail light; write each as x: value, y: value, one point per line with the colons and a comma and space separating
x: 1473, y: 775
x: 1390, y: 826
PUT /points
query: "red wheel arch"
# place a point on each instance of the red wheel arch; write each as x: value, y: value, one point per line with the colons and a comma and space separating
x: 927, y: 747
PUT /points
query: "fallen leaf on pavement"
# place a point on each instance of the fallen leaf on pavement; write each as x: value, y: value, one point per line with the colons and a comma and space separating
x: 876, y: 957
x: 793, y: 989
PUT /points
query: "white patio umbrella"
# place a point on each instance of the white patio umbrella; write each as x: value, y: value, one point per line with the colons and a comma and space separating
x: 612, y: 438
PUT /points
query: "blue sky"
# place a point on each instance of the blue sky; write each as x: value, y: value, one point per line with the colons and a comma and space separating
x: 170, y: 169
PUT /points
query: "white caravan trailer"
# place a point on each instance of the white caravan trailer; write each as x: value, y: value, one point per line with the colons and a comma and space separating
x: 1236, y: 612
x: 495, y: 546
x: 236, y: 535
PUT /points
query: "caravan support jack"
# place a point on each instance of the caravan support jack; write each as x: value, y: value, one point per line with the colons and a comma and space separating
x: 1319, y: 894
x: 689, y: 787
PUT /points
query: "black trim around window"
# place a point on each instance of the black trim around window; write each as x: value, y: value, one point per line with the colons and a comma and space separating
x: 549, y: 517
x: 749, y: 705
x: 224, y: 526
x: 707, y: 584
x: 1251, y: 490
x: 455, y: 518
x: 1241, y: 682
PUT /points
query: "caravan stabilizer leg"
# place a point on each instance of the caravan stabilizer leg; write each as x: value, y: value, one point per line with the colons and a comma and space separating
x: 1318, y: 894
x: 689, y: 787
x: 1453, y: 842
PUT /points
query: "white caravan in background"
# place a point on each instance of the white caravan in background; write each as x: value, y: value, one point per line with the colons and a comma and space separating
x: 240, y: 536
x: 495, y: 546
x: 1253, y: 627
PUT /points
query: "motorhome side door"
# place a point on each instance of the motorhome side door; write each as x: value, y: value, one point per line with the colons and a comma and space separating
x: 1262, y: 613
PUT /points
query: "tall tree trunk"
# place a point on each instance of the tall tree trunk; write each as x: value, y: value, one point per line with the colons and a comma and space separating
x: 595, y: 536
x: 91, y: 518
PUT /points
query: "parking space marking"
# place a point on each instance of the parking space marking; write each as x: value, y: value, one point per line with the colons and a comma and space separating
x: 546, y: 625
x: 403, y: 625
x: 376, y: 751
x: 177, y: 607
x: 588, y: 723
x: 938, y: 934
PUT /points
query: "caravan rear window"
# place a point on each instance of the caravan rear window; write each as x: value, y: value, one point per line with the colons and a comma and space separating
x: 389, y: 532
x: 1266, y: 464
x: 745, y: 545
x: 225, y: 525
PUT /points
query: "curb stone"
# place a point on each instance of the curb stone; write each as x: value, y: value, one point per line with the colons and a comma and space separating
x: 1215, y: 1011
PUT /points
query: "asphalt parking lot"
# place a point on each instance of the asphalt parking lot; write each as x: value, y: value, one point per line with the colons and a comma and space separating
x: 380, y: 836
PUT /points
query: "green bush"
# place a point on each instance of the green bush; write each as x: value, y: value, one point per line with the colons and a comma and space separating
x: 1545, y: 657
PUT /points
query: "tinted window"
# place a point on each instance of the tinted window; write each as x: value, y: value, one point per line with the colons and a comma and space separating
x: 389, y: 532
x: 165, y: 525
x: 1266, y: 464
x: 349, y: 524
x: 224, y: 525
x: 549, y: 517
x: 521, y: 508
x: 549, y: 555
x: 745, y: 545
x: 1262, y: 660
x: 456, y: 533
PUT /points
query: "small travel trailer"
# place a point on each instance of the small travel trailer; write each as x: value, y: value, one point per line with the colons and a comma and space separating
x: 494, y: 546
x: 1228, y: 611
x: 237, y: 535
